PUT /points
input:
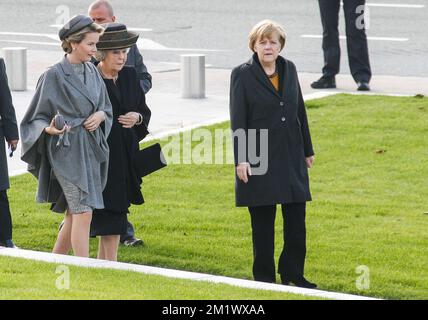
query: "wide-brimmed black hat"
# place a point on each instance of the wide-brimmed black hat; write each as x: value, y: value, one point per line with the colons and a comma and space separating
x: 75, y: 24
x: 116, y: 36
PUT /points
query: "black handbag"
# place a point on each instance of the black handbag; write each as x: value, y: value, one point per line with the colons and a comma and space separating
x: 149, y: 160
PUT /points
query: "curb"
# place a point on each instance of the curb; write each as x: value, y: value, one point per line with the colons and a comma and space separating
x: 171, y: 273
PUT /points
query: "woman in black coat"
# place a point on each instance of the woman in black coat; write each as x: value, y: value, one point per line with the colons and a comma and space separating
x: 130, y: 120
x: 273, y: 150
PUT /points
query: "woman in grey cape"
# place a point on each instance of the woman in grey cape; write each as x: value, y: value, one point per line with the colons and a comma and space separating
x: 70, y: 164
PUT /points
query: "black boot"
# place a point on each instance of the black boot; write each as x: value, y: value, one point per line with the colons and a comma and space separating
x: 298, y: 282
x: 324, y: 83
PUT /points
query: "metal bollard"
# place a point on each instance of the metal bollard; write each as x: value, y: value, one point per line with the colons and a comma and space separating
x: 15, y: 59
x: 193, y: 76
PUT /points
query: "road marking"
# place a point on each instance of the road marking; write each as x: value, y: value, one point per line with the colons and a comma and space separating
x: 140, y: 29
x: 147, y: 44
x: 386, y: 39
x: 59, y: 26
x: 171, y: 273
x: 142, y: 43
x: 52, y: 36
x: 396, y: 5
x: 316, y: 36
x: 32, y: 42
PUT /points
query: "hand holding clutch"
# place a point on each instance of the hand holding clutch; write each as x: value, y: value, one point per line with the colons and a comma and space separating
x: 59, y: 121
x: 57, y: 126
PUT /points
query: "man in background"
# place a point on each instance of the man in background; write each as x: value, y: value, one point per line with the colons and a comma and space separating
x: 101, y: 12
x: 9, y: 132
x: 356, y: 40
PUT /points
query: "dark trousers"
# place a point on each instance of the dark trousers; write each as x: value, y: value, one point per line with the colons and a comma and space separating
x: 292, y: 259
x: 356, y: 39
x: 5, y: 217
x: 130, y: 233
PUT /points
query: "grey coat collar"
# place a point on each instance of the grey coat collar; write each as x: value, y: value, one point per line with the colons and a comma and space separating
x: 72, y: 78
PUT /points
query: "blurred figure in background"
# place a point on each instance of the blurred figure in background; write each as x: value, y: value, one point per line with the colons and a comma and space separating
x: 356, y: 40
x: 8, y: 132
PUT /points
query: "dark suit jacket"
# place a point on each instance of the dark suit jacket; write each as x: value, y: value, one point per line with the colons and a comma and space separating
x: 256, y: 105
x: 135, y: 59
x: 8, y: 125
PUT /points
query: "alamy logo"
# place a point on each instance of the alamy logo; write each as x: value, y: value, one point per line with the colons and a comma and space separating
x: 63, y: 280
x: 363, y: 19
x: 63, y: 15
x: 363, y: 281
x: 202, y: 146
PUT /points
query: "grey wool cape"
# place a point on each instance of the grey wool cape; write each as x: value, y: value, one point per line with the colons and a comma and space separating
x: 81, y: 157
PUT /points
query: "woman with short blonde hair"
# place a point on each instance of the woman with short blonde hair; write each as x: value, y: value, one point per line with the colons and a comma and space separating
x: 266, y: 28
x: 268, y: 111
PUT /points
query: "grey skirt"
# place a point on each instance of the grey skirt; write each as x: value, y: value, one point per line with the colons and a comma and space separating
x: 72, y: 195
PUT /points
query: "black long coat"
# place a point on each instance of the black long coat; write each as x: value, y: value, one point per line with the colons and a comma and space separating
x: 255, y: 104
x: 123, y: 184
x: 8, y: 125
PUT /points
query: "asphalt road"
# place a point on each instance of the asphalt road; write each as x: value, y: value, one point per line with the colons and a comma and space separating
x: 219, y: 28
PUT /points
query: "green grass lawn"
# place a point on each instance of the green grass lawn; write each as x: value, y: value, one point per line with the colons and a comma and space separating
x: 369, y: 190
x: 25, y: 279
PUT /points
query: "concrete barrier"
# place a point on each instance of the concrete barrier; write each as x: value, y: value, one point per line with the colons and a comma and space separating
x: 193, y: 76
x: 15, y: 59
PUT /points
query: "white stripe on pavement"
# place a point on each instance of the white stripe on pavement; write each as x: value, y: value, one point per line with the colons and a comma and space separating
x: 32, y: 42
x: 59, y: 26
x: 393, y: 5
x: 139, y: 29
x: 396, y: 5
x: 171, y: 273
x: 148, y: 44
x: 317, y: 36
x: 385, y: 39
x: 31, y: 34
x: 142, y: 43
